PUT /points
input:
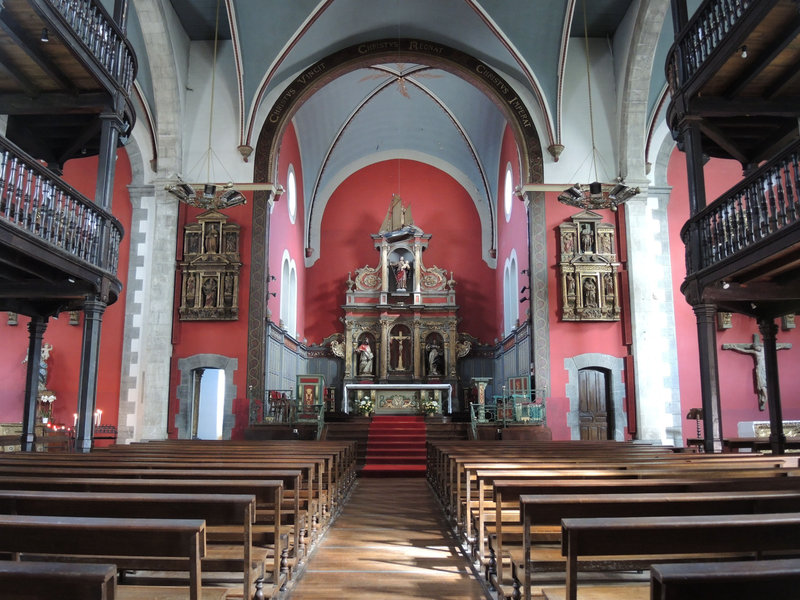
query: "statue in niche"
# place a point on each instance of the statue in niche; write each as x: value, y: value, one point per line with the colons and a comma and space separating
x: 608, y: 282
x: 192, y: 243
x: 589, y: 293
x: 400, y: 339
x: 606, y: 243
x: 210, y: 292
x: 365, y: 358
x: 434, y: 360
x: 586, y: 238
x: 212, y: 239
x: 401, y: 270
x: 230, y: 242
x: 190, y: 290
x: 228, y: 290
x: 569, y: 243
x: 570, y: 284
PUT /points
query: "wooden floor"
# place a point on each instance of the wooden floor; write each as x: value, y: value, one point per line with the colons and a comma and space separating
x: 390, y: 542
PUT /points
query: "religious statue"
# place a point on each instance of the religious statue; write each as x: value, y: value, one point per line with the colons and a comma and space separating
x: 586, y: 238
x: 400, y: 338
x: 44, y: 356
x: 209, y: 292
x: 212, y: 240
x: 569, y: 243
x: 365, y: 358
x: 756, y: 350
x: 589, y: 293
x: 190, y: 290
x: 433, y: 360
x: 401, y: 269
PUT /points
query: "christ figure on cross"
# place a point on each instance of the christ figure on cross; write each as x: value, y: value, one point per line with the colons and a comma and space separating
x: 756, y: 350
x: 400, y: 338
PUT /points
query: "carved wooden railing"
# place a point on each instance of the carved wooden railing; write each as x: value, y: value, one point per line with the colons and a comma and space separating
x: 761, y: 206
x: 35, y: 200
x: 703, y: 33
x: 101, y: 36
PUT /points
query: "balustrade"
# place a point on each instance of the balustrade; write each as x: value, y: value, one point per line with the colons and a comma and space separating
x: 35, y: 200
x: 101, y: 36
x: 760, y: 206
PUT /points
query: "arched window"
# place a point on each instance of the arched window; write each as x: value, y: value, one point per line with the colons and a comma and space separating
x: 508, y: 193
x: 510, y: 295
x: 289, y: 294
x: 291, y: 194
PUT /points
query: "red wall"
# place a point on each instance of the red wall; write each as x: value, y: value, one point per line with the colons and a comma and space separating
x: 439, y: 205
x: 285, y: 235
x: 64, y: 362
x: 572, y: 338
x: 511, y: 235
x: 737, y: 394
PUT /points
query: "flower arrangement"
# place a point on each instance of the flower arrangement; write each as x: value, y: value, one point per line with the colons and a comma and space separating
x: 428, y: 406
x: 366, y: 405
x: 46, y: 399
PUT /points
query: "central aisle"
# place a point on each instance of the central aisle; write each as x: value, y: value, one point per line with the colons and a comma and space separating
x: 390, y: 542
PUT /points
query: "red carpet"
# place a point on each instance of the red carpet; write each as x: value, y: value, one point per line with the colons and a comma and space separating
x: 395, y: 447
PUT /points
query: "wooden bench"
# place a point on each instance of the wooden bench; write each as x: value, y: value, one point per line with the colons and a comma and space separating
x: 128, y: 543
x: 509, y: 522
x: 649, y: 539
x: 729, y: 580
x: 266, y: 492
x: 217, y: 510
x: 33, y: 580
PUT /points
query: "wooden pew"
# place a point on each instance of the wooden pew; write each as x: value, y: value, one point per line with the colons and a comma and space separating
x: 266, y: 492
x: 128, y: 543
x: 508, y: 494
x: 33, y: 580
x: 729, y: 580
x: 644, y: 539
x: 217, y: 510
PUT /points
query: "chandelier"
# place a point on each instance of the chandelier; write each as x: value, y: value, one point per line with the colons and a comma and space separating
x: 209, y: 195
x: 595, y: 195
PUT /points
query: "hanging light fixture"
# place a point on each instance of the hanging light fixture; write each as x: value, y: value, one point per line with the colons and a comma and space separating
x: 210, y: 195
x: 595, y: 195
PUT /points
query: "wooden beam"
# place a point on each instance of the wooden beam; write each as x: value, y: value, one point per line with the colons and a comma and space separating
x: 716, y: 135
x: 718, y: 106
x: 37, y: 103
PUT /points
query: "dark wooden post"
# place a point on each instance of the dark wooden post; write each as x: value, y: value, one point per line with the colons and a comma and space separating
x: 36, y: 329
x: 777, y: 439
x: 93, y: 310
x: 709, y: 376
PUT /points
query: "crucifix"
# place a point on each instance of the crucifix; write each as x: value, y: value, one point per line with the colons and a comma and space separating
x: 400, y: 338
x: 756, y: 350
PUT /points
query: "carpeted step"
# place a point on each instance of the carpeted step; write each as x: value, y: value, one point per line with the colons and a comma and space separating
x: 396, y: 447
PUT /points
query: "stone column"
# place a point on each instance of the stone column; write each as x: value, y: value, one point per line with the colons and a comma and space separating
x: 652, y: 329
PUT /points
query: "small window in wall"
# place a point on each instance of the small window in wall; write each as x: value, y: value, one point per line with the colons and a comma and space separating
x: 291, y: 194
x: 508, y: 193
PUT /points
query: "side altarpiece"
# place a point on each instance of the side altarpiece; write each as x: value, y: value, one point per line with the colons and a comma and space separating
x: 588, y: 269
x: 401, y: 341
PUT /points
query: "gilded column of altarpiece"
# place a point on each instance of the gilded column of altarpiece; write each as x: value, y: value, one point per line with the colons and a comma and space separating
x: 210, y: 269
x: 588, y: 269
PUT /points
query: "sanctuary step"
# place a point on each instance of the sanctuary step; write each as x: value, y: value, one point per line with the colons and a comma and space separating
x: 395, y: 447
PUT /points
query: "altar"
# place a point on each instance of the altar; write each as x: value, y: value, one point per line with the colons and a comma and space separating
x: 398, y: 398
x: 400, y: 344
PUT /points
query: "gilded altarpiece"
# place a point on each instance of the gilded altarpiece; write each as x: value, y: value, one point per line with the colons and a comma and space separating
x: 210, y: 269
x: 400, y: 321
x: 588, y: 269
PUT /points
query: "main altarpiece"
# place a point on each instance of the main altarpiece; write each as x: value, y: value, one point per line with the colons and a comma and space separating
x: 401, y: 341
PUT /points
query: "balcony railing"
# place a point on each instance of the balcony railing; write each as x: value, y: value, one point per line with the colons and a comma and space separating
x: 102, y: 38
x: 763, y: 205
x: 35, y: 200
x: 702, y: 35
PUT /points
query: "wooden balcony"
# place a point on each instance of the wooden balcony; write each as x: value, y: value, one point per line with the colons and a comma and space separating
x: 735, y: 70
x: 56, y: 246
x: 62, y: 64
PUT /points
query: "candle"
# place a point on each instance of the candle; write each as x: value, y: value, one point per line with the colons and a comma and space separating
x: 74, y: 419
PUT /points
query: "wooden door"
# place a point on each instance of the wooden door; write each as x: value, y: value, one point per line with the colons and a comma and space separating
x: 594, y: 408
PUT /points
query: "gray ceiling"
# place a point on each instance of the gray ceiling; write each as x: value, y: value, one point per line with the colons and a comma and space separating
x: 401, y: 109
